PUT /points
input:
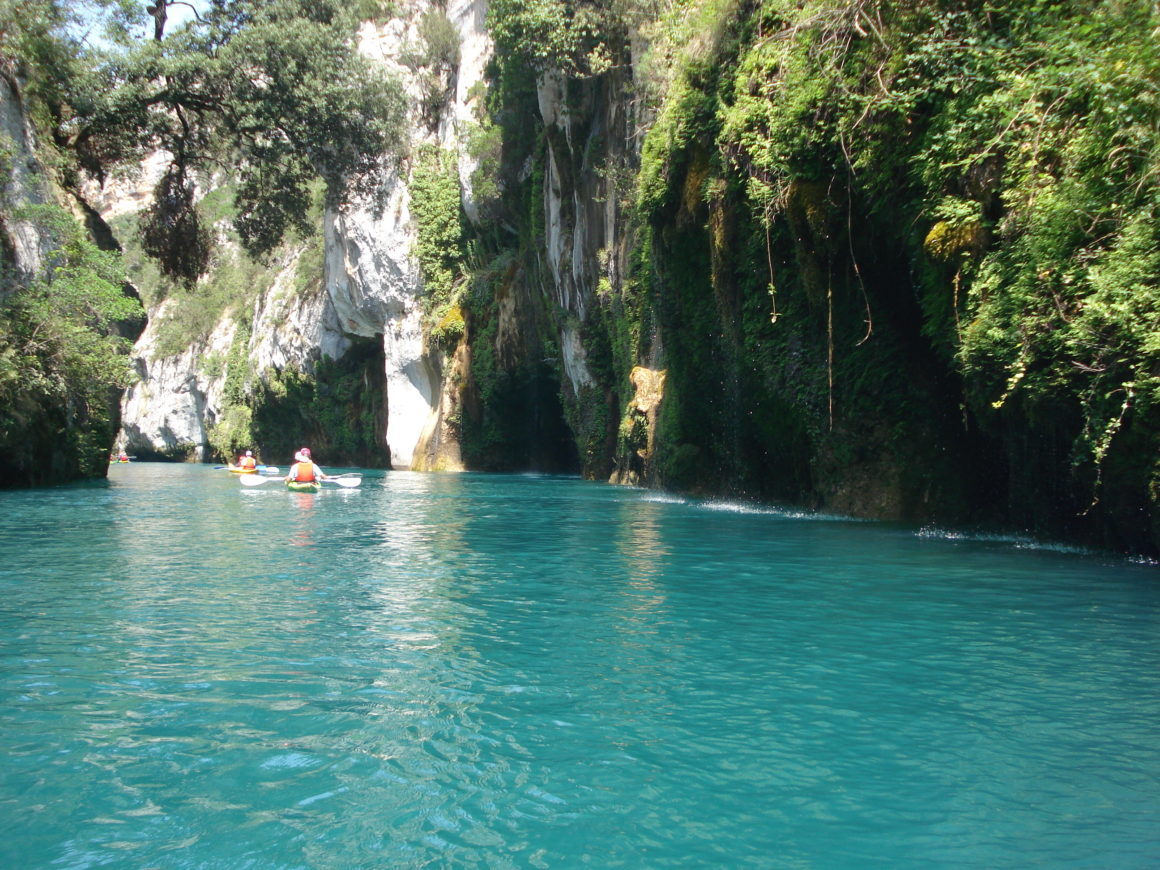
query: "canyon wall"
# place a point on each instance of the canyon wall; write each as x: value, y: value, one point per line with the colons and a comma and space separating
x: 676, y: 282
x: 369, y: 288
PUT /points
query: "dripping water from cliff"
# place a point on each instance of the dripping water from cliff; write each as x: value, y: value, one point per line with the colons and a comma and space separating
x: 519, y: 424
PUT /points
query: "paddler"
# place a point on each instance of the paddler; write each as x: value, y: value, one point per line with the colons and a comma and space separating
x: 247, y: 462
x: 304, y: 470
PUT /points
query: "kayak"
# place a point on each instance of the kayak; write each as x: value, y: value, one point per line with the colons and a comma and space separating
x: 237, y: 470
x: 350, y: 480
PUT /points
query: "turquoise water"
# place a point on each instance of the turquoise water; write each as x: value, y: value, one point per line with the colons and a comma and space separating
x: 505, y: 671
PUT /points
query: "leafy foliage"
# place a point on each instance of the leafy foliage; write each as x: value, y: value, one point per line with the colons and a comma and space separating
x: 233, y: 431
x: 1023, y: 136
x: 439, y: 246
x: 338, y: 409
x: 274, y: 91
x: 580, y: 38
x: 437, y: 58
x: 192, y: 312
x: 61, y: 358
x: 172, y: 232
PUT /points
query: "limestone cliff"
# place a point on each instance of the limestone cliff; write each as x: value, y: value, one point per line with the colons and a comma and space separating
x: 167, y: 413
x: 657, y: 273
x: 371, y: 286
x: 25, y: 183
x: 366, y: 285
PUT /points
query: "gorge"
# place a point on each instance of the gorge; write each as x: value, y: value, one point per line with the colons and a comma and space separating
x: 896, y: 261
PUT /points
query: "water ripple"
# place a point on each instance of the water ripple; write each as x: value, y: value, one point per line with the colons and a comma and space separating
x: 534, y: 672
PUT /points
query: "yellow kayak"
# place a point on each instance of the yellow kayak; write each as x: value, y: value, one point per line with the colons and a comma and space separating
x: 237, y: 470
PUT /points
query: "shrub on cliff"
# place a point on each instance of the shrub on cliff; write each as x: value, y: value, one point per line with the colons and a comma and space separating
x: 998, y: 171
x: 61, y: 358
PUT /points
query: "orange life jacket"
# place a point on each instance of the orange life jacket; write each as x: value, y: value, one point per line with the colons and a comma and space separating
x: 247, y: 462
x: 304, y: 472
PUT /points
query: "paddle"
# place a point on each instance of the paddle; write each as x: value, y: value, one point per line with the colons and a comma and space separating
x: 349, y: 481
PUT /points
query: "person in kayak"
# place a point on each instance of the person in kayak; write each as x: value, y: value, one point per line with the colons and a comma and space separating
x: 247, y: 462
x: 304, y: 470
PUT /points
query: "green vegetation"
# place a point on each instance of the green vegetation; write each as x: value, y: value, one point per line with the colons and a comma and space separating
x: 276, y: 91
x: 272, y: 96
x: 880, y: 244
x: 338, y: 411
x: 233, y: 283
x: 437, y: 59
x: 439, y: 246
x: 485, y: 146
x: 66, y: 315
x: 578, y: 38
x: 233, y: 431
x: 62, y: 358
x: 896, y: 258
x: 972, y: 188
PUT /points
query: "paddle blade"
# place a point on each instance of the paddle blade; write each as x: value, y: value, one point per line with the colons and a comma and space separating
x: 253, y: 479
x: 348, y: 482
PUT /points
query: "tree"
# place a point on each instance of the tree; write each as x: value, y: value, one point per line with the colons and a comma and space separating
x: 273, y: 93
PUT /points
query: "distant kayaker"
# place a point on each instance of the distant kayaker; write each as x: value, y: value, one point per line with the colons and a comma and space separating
x: 247, y: 462
x: 304, y: 470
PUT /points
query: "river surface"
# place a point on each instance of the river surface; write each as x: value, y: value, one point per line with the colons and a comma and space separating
x: 443, y: 671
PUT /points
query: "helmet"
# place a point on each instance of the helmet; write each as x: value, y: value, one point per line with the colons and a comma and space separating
x: 249, y: 452
x: 305, y: 452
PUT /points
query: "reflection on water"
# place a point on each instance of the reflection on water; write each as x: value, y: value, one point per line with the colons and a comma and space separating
x: 304, y: 521
x: 463, y: 670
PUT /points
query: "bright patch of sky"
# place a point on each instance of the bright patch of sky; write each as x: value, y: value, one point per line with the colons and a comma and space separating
x: 179, y: 13
x: 90, y: 19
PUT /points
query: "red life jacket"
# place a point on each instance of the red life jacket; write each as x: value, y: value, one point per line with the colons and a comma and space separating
x: 304, y: 471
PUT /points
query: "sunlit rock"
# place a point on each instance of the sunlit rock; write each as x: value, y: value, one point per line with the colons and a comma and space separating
x: 24, y: 183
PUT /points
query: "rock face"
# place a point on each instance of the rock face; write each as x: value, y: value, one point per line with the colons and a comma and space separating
x: 168, y: 411
x: 371, y: 288
x: 590, y: 138
x: 371, y: 285
x: 24, y: 184
x: 371, y: 282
